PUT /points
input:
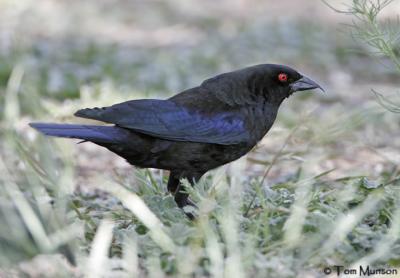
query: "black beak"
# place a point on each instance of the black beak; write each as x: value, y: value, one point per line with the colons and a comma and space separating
x: 304, y: 84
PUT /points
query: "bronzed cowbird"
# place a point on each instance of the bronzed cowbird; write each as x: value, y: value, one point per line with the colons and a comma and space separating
x: 194, y: 131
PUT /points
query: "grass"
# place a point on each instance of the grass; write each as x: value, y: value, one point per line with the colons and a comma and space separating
x: 292, y: 228
x: 381, y: 37
x: 321, y: 190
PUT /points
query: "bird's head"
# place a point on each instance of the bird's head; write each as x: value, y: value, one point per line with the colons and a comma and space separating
x: 266, y: 81
x: 278, y: 82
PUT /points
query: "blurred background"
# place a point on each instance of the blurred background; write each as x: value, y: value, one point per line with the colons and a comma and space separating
x: 72, y: 55
x: 57, y: 56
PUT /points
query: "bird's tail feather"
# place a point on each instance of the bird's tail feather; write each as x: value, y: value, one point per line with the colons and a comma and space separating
x: 94, y: 133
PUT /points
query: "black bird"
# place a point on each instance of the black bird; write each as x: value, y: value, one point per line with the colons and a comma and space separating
x: 194, y: 131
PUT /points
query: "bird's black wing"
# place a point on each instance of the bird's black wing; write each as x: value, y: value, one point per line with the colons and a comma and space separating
x: 168, y: 120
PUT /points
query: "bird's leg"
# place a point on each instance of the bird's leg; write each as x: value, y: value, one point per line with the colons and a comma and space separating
x: 175, y: 187
x: 173, y: 182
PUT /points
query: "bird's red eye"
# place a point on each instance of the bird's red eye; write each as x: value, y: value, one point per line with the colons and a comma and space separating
x: 282, y: 77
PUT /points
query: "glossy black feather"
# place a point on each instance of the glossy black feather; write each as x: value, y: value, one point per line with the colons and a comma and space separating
x: 168, y: 120
x: 100, y: 134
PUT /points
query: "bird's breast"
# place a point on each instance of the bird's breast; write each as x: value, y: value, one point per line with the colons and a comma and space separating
x: 259, y: 120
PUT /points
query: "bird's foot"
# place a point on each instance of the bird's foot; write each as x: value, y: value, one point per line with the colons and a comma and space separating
x: 188, y: 204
